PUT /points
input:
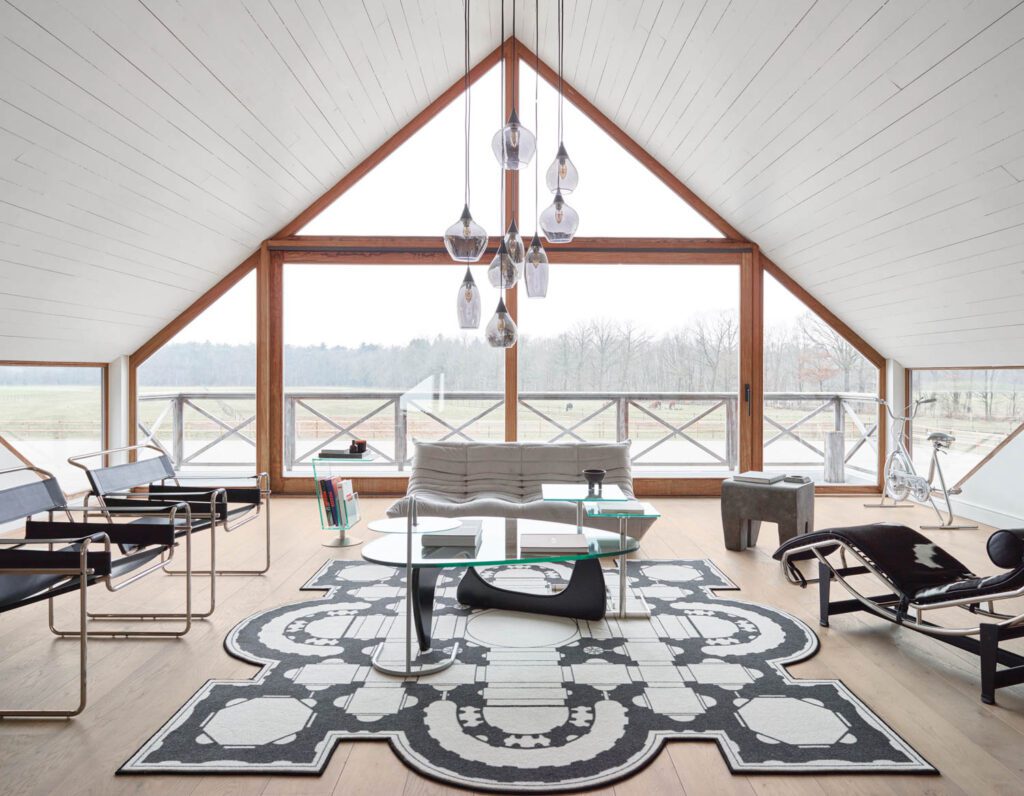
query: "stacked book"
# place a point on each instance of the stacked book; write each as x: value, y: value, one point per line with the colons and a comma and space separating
x: 757, y: 477
x: 553, y: 544
x: 468, y: 534
x: 340, y: 503
x: 613, y: 507
x: 339, y: 453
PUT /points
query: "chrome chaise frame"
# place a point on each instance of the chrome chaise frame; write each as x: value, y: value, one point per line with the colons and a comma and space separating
x: 979, y: 638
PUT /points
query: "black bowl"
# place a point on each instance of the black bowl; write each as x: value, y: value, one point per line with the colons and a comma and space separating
x: 594, y: 478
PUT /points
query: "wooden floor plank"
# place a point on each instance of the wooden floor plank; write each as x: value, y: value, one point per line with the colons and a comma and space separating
x: 927, y: 692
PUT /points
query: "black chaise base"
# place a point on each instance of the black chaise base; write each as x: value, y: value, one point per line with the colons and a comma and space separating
x: 582, y: 598
x: 986, y: 647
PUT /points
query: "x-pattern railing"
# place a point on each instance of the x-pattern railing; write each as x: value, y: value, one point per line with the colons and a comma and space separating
x: 176, y: 406
x: 841, y: 407
x: 648, y: 406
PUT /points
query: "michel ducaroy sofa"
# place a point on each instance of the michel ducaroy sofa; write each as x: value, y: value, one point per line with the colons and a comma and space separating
x: 491, y: 479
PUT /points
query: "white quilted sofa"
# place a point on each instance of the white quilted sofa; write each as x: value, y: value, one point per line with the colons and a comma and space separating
x: 491, y: 479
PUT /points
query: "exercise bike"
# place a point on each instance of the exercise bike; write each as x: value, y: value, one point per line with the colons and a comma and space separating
x: 902, y: 481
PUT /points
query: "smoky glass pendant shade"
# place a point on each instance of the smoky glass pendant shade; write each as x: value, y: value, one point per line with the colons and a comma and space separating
x: 559, y: 221
x: 501, y: 329
x: 535, y: 272
x: 465, y: 240
x: 562, y: 174
x: 503, y: 271
x: 514, y: 244
x: 514, y: 145
x: 468, y: 303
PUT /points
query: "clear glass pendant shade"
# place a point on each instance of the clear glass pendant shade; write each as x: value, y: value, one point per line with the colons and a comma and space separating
x: 501, y: 329
x: 503, y: 271
x: 535, y: 272
x: 514, y: 244
x: 562, y: 175
x: 468, y: 303
x: 465, y: 240
x: 513, y: 145
x: 559, y: 221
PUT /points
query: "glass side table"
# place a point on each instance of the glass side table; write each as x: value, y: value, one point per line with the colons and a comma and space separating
x: 580, y: 494
x: 626, y: 604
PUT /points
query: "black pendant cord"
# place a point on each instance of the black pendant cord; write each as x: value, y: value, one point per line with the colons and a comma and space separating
x: 466, y: 121
x: 501, y: 122
x: 536, y: 113
x: 561, y: 49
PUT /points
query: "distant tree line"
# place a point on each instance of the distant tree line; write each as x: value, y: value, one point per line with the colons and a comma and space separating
x: 601, y: 354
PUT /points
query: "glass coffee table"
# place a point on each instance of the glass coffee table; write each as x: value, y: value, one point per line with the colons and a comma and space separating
x: 584, y: 597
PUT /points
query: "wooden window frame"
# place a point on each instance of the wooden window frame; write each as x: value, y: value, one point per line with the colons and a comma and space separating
x: 288, y: 246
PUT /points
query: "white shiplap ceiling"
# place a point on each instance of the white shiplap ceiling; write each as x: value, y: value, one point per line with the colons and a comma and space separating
x: 874, y: 149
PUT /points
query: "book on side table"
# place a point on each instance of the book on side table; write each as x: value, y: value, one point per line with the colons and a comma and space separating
x: 757, y: 477
x: 540, y: 544
x: 616, y: 507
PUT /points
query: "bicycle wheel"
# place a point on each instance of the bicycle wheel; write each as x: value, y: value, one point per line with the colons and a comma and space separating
x: 898, y: 472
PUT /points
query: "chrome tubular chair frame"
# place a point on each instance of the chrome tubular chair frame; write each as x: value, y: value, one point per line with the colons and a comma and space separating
x: 188, y: 615
x: 83, y: 572
x: 146, y: 510
x: 226, y: 522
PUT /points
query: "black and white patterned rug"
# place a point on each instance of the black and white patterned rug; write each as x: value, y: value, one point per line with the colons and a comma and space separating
x: 533, y: 703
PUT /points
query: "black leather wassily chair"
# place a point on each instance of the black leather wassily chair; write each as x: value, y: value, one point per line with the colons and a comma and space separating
x: 56, y: 557
x: 150, y: 480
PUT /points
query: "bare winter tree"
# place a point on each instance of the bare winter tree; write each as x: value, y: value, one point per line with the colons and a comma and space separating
x: 715, y: 338
x: 844, y: 356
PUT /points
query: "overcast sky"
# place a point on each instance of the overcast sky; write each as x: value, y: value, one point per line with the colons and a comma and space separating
x: 419, y: 191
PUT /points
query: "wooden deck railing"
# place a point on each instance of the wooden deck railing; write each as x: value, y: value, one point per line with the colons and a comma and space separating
x: 706, y: 422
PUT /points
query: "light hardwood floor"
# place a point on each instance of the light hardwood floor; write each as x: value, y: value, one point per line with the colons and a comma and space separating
x: 926, y: 691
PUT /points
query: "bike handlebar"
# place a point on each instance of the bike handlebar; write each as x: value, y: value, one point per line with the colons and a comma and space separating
x: 917, y: 405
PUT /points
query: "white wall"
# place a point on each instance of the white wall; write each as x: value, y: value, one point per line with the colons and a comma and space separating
x: 995, y: 494
x: 117, y: 412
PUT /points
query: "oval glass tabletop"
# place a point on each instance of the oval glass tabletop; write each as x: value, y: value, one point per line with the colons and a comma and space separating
x: 500, y: 543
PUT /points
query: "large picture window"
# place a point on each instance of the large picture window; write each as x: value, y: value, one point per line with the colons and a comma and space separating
x: 373, y: 352
x: 649, y: 330
x: 48, y: 414
x: 197, y: 394
x: 820, y: 396
x: 641, y: 352
x: 981, y: 407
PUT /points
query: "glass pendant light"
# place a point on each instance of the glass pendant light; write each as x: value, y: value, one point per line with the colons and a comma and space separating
x: 535, y: 272
x: 536, y: 269
x: 513, y: 145
x: 501, y: 329
x: 503, y: 271
x: 562, y: 174
x: 466, y: 240
x: 515, y: 246
x: 468, y: 303
x: 559, y: 221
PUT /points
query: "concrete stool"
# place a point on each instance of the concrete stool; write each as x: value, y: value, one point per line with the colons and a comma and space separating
x: 746, y: 505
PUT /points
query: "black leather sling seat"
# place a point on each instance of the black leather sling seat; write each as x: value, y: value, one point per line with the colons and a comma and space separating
x: 920, y: 571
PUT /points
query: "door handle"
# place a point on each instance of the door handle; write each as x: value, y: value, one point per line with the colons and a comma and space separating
x: 746, y: 397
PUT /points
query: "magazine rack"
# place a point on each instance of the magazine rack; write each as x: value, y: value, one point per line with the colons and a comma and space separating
x: 330, y: 468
